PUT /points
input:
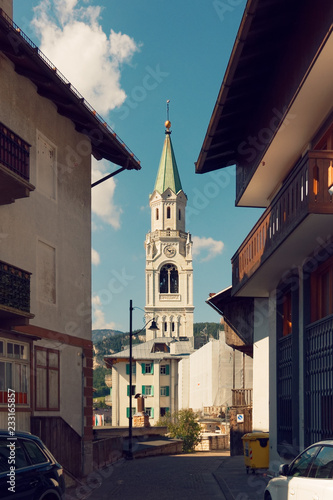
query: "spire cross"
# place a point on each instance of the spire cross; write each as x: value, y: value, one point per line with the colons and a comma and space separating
x: 168, y: 102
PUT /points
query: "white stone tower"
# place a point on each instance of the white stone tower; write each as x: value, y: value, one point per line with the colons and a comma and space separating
x: 169, y: 271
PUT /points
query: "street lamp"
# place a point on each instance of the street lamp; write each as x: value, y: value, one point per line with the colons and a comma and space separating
x: 153, y: 327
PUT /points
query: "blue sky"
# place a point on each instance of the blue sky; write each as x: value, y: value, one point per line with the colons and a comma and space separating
x: 127, y: 58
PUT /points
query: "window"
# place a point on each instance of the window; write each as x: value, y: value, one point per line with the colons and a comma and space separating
x: 172, y: 326
x: 165, y: 326
x: 148, y: 390
x: 286, y: 312
x: 322, y: 291
x: 322, y: 466
x: 34, y: 452
x: 168, y: 213
x: 157, y: 214
x: 164, y: 391
x: 164, y: 411
x: 179, y: 214
x: 301, y: 465
x: 169, y: 279
x: 133, y: 390
x: 128, y: 369
x: 147, y: 368
x: 47, y: 379
x: 150, y: 412
x: 20, y: 458
x: 14, y: 370
x: 128, y: 412
x: 164, y: 369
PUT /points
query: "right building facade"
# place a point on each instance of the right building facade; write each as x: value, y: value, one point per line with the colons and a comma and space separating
x: 273, y: 119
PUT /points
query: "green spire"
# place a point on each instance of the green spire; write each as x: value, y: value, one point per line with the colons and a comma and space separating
x: 167, y: 175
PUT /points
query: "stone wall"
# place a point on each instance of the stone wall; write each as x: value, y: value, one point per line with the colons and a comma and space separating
x: 213, y: 442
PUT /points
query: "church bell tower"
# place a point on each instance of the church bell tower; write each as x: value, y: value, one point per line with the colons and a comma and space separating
x: 169, y: 271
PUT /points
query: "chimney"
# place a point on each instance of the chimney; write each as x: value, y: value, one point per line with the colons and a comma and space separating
x: 7, y: 7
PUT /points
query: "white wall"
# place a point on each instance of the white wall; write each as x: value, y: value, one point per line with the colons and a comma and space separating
x: 206, y: 379
x: 260, y: 415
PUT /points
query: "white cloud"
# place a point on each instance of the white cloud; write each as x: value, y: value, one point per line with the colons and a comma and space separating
x: 210, y: 247
x: 102, y: 203
x: 95, y: 257
x: 99, y: 322
x: 72, y: 38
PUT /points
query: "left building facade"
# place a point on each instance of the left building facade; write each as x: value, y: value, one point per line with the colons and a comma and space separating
x: 48, y: 134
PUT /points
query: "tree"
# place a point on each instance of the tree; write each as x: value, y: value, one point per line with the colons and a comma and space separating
x: 99, y: 384
x: 183, y: 425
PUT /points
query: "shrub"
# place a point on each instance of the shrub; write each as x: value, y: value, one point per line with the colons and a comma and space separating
x: 183, y: 425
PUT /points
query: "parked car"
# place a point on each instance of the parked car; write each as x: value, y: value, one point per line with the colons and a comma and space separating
x: 308, y: 477
x: 27, y: 469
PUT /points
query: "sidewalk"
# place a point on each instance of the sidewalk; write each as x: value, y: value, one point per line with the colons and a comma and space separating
x: 196, y: 476
x: 236, y: 484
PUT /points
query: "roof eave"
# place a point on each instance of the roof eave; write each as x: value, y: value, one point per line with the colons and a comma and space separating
x: 31, y: 63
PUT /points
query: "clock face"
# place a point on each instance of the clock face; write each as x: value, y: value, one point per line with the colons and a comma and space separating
x: 170, y: 251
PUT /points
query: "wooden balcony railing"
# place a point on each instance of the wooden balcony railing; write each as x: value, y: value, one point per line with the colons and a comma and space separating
x: 14, y: 152
x: 241, y: 397
x: 305, y: 191
x: 14, y: 288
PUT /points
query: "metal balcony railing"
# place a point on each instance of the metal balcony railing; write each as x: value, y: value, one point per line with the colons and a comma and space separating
x: 14, y: 152
x: 14, y: 287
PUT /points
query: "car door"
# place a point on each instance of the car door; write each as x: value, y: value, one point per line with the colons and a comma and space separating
x: 300, y: 487
x: 17, y: 480
x: 319, y: 483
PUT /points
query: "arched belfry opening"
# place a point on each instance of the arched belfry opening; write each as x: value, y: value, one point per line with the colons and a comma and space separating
x: 169, y: 280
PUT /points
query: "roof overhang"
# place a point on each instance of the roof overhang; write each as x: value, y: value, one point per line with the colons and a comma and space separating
x: 238, y: 317
x: 275, y: 92
x: 31, y: 63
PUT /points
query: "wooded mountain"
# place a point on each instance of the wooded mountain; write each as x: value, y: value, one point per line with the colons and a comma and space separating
x: 111, y: 341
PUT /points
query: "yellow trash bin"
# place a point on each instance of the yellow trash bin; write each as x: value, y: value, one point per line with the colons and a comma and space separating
x: 256, y: 450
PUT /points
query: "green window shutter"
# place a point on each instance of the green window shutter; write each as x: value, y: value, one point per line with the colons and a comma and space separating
x: 152, y: 413
x: 167, y: 370
x: 127, y: 369
x: 152, y: 368
x: 143, y: 390
x: 152, y: 390
x: 167, y: 410
x: 127, y: 412
x: 167, y: 390
x: 143, y: 366
x: 128, y: 390
x: 134, y: 369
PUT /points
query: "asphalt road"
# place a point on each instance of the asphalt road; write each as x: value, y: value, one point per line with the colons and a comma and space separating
x: 196, y: 476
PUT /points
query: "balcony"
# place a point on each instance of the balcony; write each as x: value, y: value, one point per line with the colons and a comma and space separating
x: 14, y: 295
x: 290, y: 227
x: 167, y: 233
x: 241, y: 397
x: 14, y: 167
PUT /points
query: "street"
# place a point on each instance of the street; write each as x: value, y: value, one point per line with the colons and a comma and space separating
x: 197, y: 476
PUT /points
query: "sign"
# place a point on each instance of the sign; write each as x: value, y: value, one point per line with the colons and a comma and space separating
x: 240, y: 418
